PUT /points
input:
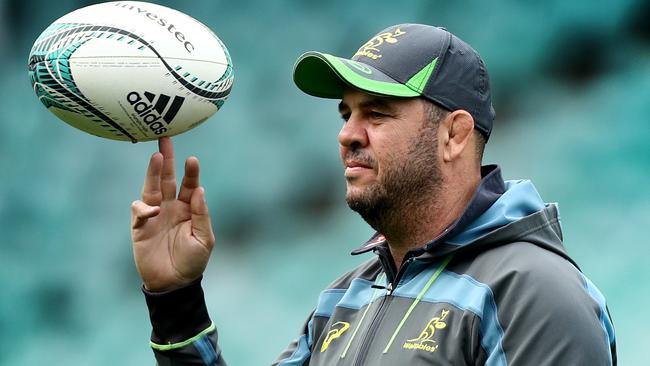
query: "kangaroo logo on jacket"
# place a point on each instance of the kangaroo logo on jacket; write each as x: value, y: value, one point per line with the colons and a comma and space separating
x: 336, y: 330
x: 425, y: 340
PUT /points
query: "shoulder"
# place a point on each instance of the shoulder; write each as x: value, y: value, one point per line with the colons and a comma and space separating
x: 535, y: 295
x: 523, y: 265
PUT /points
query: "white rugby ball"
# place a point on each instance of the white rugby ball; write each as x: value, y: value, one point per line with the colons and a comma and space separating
x: 131, y: 71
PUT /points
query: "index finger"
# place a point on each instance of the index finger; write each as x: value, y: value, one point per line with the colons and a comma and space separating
x: 168, y: 175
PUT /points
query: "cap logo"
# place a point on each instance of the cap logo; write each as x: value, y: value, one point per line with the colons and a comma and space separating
x: 370, y: 49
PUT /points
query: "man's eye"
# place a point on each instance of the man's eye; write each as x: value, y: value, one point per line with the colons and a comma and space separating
x: 376, y: 115
x: 345, y: 117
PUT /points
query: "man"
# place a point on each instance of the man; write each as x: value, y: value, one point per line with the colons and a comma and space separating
x: 469, y: 269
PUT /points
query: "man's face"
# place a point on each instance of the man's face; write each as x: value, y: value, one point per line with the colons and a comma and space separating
x: 389, y: 150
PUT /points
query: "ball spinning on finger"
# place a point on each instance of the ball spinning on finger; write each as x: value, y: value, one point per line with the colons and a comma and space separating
x: 130, y: 71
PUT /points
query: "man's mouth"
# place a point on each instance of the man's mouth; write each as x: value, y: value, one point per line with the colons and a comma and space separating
x: 356, y: 164
x: 355, y: 167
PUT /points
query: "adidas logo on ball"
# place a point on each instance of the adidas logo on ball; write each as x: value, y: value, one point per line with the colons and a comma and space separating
x: 151, y: 109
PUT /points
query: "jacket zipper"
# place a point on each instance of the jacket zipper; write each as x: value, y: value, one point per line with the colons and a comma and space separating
x: 400, y: 273
x: 379, y: 315
x: 376, y: 320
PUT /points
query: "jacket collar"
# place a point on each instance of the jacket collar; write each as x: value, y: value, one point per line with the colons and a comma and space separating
x: 488, y: 191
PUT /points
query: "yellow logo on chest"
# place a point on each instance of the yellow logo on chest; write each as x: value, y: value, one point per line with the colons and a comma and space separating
x: 425, y: 340
x: 336, y: 330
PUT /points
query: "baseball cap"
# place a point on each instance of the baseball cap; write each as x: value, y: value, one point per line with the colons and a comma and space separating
x: 406, y: 60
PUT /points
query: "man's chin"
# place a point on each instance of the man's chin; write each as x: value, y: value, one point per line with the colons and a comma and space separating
x: 356, y: 204
x: 370, y: 205
x: 355, y: 193
x: 361, y: 198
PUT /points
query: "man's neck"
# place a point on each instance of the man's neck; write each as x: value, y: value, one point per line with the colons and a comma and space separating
x: 413, y: 227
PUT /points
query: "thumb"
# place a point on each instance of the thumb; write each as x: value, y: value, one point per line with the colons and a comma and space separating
x: 141, y: 212
x: 201, y: 224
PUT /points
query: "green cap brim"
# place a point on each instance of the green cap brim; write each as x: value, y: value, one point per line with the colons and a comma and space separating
x: 326, y: 76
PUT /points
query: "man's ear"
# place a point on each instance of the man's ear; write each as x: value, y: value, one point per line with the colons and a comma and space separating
x: 456, y: 130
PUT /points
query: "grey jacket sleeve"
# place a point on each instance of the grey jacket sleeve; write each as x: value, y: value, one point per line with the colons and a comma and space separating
x: 183, y: 333
x: 549, y: 313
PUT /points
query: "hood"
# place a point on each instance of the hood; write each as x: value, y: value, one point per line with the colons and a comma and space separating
x: 500, y: 212
x: 520, y: 199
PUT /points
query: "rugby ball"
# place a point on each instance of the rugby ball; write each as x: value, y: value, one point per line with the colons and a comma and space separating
x: 131, y: 71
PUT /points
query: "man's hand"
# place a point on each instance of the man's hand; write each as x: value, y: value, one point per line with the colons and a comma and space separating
x: 172, y: 236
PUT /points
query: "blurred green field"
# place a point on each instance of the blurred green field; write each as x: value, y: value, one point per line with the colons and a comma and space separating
x: 571, y: 84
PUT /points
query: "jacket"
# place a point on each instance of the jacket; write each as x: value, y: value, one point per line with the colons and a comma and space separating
x: 496, y: 288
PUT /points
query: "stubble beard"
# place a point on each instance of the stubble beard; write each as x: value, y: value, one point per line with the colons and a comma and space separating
x: 406, y: 188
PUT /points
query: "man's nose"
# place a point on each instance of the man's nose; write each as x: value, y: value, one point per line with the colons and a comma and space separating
x: 353, y: 134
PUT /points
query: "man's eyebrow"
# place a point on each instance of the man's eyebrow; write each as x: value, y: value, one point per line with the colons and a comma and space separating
x: 381, y: 103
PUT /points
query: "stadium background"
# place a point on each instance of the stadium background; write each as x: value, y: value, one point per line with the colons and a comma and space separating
x: 571, y: 86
